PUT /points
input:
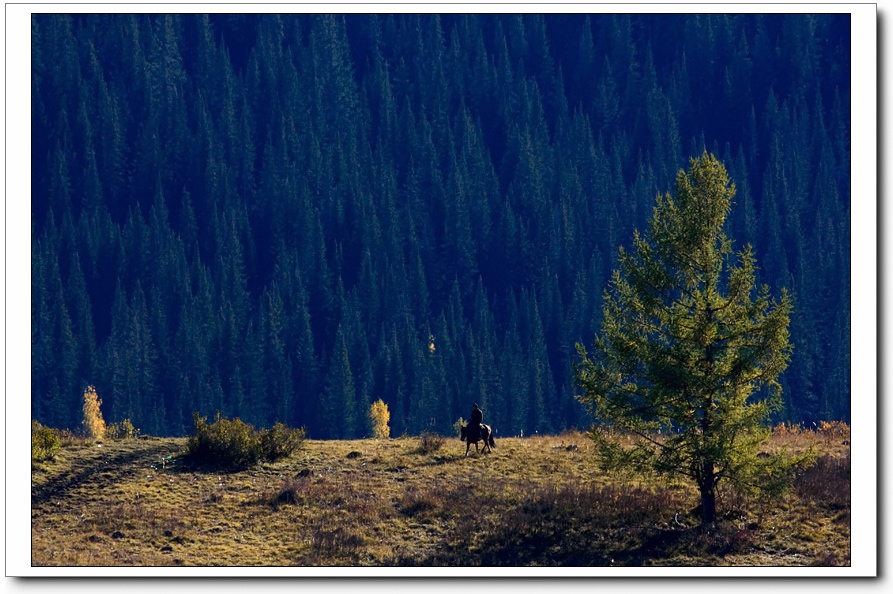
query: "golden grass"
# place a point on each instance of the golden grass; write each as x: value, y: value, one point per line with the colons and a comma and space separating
x: 534, y: 501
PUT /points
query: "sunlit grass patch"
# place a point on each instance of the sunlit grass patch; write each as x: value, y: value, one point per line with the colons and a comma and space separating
x: 536, y: 501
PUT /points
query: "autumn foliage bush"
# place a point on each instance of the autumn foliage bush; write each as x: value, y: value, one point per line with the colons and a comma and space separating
x: 379, y: 415
x: 94, y: 425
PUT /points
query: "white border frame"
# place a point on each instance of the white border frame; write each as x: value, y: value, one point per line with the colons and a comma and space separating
x: 864, y: 289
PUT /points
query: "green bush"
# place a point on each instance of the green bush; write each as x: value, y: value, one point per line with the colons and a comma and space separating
x: 281, y: 441
x: 224, y: 442
x: 122, y: 430
x: 234, y: 443
x: 45, y: 442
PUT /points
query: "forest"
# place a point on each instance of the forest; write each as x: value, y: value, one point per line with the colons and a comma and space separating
x: 285, y: 218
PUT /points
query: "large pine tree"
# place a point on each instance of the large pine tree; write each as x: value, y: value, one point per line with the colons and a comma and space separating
x: 687, y: 343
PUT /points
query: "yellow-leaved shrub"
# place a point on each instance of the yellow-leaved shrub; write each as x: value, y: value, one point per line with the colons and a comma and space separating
x: 94, y: 425
x: 379, y: 416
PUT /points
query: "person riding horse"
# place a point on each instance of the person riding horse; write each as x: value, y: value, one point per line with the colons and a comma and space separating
x: 474, y: 423
x: 475, y: 431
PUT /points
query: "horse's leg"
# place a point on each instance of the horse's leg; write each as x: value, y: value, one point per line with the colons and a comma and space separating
x: 467, y: 445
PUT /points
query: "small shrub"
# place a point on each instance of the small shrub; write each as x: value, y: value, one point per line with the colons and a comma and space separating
x: 114, y: 431
x: 784, y: 428
x: 45, y: 442
x: 457, y: 426
x: 379, y: 415
x: 834, y: 430
x: 122, y: 430
x: 94, y: 425
x: 70, y: 438
x: 291, y: 492
x: 281, y: 441
x: 430, y: 442
x: 234, y: 443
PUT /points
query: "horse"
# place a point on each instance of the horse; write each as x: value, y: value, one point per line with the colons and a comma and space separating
x: 485, y: 434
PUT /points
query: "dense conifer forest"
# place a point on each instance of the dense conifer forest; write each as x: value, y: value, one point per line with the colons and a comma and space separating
x: 286, y: 218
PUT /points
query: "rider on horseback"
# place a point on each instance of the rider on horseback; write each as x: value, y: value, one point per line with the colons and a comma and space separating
x: 474, y: 423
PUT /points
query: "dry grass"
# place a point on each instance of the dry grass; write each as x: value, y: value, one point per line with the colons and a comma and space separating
x: 533, y: 501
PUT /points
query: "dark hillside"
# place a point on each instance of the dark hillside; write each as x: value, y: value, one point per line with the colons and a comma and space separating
x: 285, y: 218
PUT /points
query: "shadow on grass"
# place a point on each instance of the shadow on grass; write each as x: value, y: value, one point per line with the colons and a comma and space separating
x: 589, y: 525
x: 441, y: 459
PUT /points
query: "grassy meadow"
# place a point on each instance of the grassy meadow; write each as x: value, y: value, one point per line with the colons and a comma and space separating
x: 417, y: 501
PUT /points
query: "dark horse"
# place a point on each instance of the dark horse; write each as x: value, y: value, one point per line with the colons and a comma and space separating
x: 485, y: 435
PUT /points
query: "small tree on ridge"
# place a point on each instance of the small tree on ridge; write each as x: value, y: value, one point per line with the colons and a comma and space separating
x: 379, y: 415
x: 94, y: 424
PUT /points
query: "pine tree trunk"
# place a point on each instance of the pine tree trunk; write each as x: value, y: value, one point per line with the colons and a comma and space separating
x: 708, y: 494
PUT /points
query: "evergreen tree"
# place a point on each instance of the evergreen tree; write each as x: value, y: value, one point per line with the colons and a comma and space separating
x: 82, y: 328
x: 277, y: 366
x: 337, y: 404
x: 686, y: 340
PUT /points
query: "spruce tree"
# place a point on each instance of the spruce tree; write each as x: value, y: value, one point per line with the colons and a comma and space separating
x: 337, y: 403
x: 687, y: 344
